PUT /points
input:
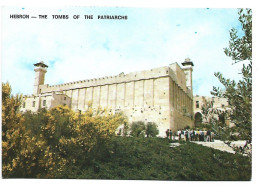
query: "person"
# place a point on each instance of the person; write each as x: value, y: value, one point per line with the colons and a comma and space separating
x: 170, y: 134
x: 201, y: 135
x: 182, y: 134
x: 205, y: 135
x: 208, y: 136
x: 174, y: 135
x: 188, y: 135
x: 167, y: 133
x: 179, y: 134
x: 119, y: 132
x: 212, y: 136
x: 191, y: 135
x: 198, y: 135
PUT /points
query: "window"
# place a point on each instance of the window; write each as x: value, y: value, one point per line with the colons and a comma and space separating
x: 64, y: 98
x: 33, y: 104
x: 44, y: 103
x: 197, y: 104
x: 24, y: 105
x: 198, y: 119
x: 222, y: 106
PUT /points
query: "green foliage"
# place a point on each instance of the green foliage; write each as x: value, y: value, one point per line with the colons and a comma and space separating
x: 240, y: 101
x: 63, y: 144
x: 215, y: 121
x: 137, y: 129
x: 187, y: 127
x: 206, y: 126
x: 240, y: 48
x: 140, y: 129
x: 151, y: 129
x: 13, y: 133
x: 133, y: 158
x: 125, y: 129
x: 55, y: 143
x: 10, y: 109
x: 239, y: 94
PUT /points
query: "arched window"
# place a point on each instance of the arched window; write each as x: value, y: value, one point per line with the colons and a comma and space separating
x: 198, y: 118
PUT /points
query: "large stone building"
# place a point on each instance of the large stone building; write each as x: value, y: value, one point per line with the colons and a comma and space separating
x: 162, y: 95
x: 220, y: 104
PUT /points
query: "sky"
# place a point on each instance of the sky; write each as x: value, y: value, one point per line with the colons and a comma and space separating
x: 151, y: 37
x: 79, y: 49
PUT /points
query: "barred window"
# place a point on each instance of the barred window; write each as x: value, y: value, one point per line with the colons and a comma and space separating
x: 44, y: 103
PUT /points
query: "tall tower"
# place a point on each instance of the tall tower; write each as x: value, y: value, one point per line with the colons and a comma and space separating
x: 40, y: 70
x: 187, y: 67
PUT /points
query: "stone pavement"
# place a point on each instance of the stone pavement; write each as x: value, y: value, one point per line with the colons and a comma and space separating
x: 217, y: 144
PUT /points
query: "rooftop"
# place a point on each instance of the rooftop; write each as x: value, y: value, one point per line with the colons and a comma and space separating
x: 41, y: 64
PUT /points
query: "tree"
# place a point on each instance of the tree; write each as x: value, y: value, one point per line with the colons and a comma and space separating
x: 52, y: 144
x: 239, y: 94
x: 215, y: 120
x: 151, y: 129
x: 137, y: 129
x: 140, y: 129
x: 11, y: 131
x: 23, y: 154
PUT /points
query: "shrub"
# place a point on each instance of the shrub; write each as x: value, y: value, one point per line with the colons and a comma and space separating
x: 137, y: 129
x: 54, y: 143
x: 152, y: 159
x: 151, y: 129
x: 140, y: 129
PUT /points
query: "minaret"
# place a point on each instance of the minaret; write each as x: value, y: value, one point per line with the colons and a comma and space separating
x: 187, y: 67
x: 40, y: 70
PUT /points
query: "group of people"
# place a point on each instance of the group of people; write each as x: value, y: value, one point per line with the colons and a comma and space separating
x: 190, y: 135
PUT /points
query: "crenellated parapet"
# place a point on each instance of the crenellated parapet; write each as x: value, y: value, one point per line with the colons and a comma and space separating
x: 121, y: 78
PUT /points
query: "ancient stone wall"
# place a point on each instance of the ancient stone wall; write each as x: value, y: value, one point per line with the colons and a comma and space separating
x: 181, y: 107
x: 158, y: 95
x: 218, y: 103
x: 48, y: 101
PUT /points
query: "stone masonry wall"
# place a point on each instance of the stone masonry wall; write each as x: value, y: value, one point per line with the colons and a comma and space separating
x: 158, y: 95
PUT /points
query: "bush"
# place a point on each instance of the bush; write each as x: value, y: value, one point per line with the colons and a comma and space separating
x: 137, y: 129
x: 133, y: 158
x: 140, y: 129
x: 151, y: 129
x: 206, y: 126
x: 54, y: 143
x: 63, y: 144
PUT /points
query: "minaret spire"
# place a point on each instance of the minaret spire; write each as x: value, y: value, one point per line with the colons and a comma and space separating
x: 188, y: 64
x: 40, y: 70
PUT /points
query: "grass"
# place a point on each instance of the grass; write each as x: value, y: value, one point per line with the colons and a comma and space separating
x: 153, y: 159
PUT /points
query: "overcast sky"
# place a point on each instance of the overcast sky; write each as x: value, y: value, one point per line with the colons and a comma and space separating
x: 79, y: 49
